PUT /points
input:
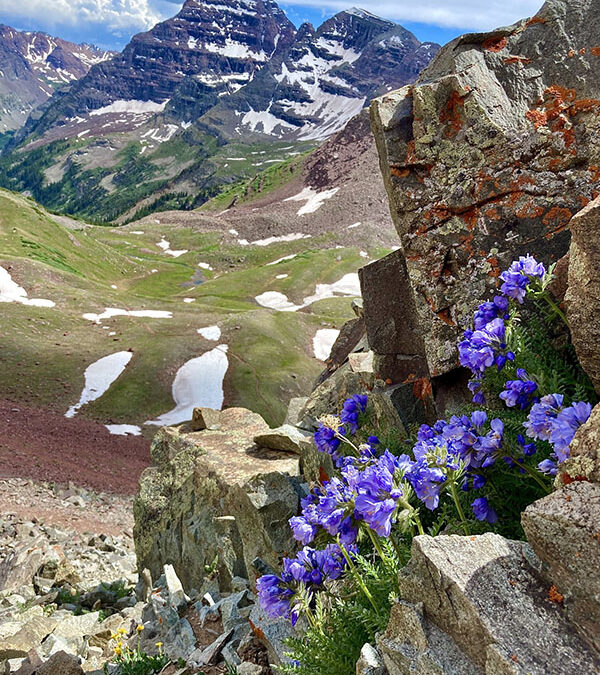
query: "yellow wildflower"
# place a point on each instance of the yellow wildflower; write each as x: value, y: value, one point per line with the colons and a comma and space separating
x: 140, y: 628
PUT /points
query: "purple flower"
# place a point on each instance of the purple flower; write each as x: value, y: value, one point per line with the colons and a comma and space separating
x: 549, y: 467
x: 519, y: 392
x: 541, y: 415
x: 483, y: 511
x: 377, y: 496
x: 519, y: 275
x: 488, y: 311
x: 484, y: 348
x: 274, y: 596
x: 326, y: 439
x: 352, y: 408
x: 549, y: 421
x: 528, y: 449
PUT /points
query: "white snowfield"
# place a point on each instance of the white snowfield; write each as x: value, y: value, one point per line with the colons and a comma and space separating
x: 285, y: 257
x: 210, y: 332
x: 323, y: 342
x: 124, y: 429
x: 294, y: 236
x: 314, y: 200
x: 204, y: 266
x: 166, y: 247
x: 348, y: 286
x: 133, y: 107
x: 10, y: 291
x: 265, y: 121
x: 109, y: 312
x: 199, y: 382
x: 276, y: 300
x: 236, y: 50
x: 98, y: 378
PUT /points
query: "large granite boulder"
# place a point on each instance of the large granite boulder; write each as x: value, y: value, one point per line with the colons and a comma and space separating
x: 583, y: 293
x: 488, y: 156
x: 474, y: 605
x: 214, y: 500
x: 564, y: 530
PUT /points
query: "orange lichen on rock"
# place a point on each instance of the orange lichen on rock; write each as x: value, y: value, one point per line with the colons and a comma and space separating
x: 422, y: 388
x: 571, y: 53
x: 538, y: 117
x: 555, y: 596
x: 451, y: 113
x: 534, y: 20
x: 517, y: 59
x: 595, y: 51
x: 559, y: 215
x: 495, y: 45
x: 398, y: 172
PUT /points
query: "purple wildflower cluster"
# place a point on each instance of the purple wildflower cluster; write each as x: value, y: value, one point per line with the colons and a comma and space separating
x: 549, y: 421
x: 309, y: 569
x: 517, y: 278
x: 487, y: 345
x: 373, y: 489
x: 519, y: 392
x: 332, y: 430
x: 454, y: 450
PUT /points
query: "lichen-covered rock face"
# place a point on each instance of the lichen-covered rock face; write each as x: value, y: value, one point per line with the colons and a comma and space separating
x: 563, y: 529
x: 488, y: 156
x: 583, y: 293
x: 475, y: 605
x: 214, y: 499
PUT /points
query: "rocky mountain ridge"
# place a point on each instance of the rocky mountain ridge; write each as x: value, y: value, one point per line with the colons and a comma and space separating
x: 33, y: 66
x: 174, y: 114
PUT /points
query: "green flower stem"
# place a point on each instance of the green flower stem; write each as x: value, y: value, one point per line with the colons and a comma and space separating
x: 377, y: 545
x: 555, y: 308
x: 459, y: 508
x: 418, y: 522
x: 357, y: 576
x: 532, y: 473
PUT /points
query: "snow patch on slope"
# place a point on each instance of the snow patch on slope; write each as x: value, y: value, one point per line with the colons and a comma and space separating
x: 98, y: 378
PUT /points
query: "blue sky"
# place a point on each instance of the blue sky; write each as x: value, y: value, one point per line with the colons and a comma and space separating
x: 111, y: 23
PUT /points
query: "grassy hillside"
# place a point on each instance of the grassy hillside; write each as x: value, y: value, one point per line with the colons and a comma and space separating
x: 83, y: 268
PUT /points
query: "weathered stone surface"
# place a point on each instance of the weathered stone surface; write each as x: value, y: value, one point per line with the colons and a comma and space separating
x: 483, y: 593
x: 294, y: 408
x: 214, y: 495
x: 271, y: 633
x: 21, y: 564
x: 488, y: 156
x: 391, y: 319
x: 31, y: 634
x: 205, y: 418
x: 370, y: 662
x: 285, y: 438
x: 413, y: 645
x: 60, y: 664
x: 583, y: 293
x: 564, y: 531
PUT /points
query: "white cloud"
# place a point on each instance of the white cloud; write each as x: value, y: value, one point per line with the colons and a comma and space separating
x: 113, y: 15
x: 463, y: 14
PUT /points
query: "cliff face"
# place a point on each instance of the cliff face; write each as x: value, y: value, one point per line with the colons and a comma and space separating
x: 33, y: 66
x: 488, y: 156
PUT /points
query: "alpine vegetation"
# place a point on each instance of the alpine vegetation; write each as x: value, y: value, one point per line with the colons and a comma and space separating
x: 470, y: 473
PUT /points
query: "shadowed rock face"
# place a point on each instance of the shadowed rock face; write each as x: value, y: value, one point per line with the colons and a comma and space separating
x: 474, y: 605
x: 213, y: 497
x: 583, y: 297
x: 488, y: 156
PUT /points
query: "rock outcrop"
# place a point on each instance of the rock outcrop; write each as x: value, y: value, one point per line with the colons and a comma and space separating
x: 215, y: 500
x: 563, y: 530
x: 583, y: 293
x: 488, y: 156
x: 475, y: 605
